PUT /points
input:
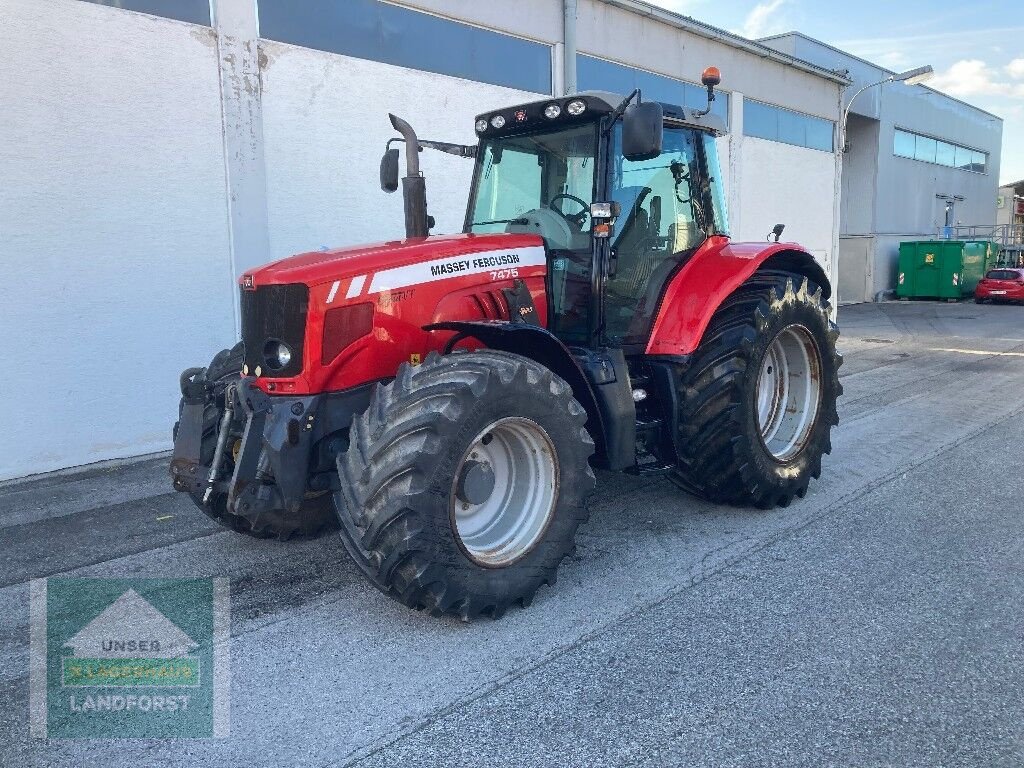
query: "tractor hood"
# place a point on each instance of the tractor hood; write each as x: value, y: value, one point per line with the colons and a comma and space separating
x: 318, y: 267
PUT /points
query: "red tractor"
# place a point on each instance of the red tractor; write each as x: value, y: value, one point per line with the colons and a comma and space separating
x: 442, y: 399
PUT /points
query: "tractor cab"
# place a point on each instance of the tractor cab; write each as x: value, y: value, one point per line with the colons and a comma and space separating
x: 618, y: 203
x: 621, y: 191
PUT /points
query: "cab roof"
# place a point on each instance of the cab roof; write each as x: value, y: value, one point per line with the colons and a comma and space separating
x: 530, y: 116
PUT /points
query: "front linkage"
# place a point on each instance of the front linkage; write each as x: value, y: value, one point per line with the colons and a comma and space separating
x: 261, y: 464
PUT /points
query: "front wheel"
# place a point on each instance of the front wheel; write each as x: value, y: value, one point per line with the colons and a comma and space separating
x: 464, y: 482
x: 758, y: 400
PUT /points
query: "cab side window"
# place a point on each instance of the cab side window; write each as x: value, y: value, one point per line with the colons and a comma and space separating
x: 660, y: 218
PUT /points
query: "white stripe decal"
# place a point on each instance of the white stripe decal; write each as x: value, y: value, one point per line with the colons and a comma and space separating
x: 334, y: 290
x: 355, y: 287
x: 457, y: 266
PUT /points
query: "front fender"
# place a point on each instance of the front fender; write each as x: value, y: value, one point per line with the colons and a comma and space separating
x: 717, y: 269
x: 536, y: 343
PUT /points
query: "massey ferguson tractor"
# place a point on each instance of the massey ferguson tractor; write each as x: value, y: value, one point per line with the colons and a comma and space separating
x: 443, y: 399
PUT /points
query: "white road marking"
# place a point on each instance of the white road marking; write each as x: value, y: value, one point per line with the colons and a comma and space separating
x: 984, y: 352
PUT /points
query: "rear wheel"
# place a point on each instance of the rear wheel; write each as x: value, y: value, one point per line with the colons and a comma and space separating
x: 758, y: 400
x: 316, y: 514
x: 464, y: 482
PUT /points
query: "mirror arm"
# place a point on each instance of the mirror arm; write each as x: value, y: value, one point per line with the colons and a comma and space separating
x: 459, y: 150
x: 620, y: 110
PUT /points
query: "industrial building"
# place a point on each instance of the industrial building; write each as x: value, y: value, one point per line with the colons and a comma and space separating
x: 190, y: 140
x: 917, y: 164
x: 1010, y: 209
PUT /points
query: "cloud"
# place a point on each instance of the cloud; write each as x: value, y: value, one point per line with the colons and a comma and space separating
x: 1015, y: 69
x: 973, y: 77
x: 894, y: 60
x: 762, y: 20
x: 922, y: 47
x: 953, y: 38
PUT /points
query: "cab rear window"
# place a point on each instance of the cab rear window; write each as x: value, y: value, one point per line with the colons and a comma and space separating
x: 1003, y: 274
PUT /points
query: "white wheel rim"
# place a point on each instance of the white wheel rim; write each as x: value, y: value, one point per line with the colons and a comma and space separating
x: 510, y: 522
x: 789, y: 393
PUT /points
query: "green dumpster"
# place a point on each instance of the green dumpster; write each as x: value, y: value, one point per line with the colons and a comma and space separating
x: 942, y: 269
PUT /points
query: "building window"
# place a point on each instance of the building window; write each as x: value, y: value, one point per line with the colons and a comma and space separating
x: 593, y: 74
x: 765, y: 121
x: 377, y: 31
x: 192, y: 11
x: 904, y: 144
x: 914, y: 146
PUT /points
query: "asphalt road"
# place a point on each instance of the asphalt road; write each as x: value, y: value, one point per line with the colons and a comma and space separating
x: 879, y: 621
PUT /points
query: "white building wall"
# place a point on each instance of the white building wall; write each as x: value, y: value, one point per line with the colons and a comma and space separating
x: 325, y: 122
x: 784, y: 184
x: 614, y: 33
x: 113, y: 236
x: 119, y: 237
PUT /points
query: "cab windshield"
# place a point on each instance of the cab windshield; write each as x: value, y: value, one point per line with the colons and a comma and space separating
x: 543, y: 184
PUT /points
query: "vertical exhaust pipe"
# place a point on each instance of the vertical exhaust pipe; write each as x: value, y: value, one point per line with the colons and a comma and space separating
x: 414, y: 186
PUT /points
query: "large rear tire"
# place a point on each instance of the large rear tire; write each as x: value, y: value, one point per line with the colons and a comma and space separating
x: 316, y: 514
x: 464, y: 483
x: 758, y: 400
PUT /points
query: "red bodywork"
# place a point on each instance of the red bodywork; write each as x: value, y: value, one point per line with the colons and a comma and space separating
x: 717, y: 269
x: 1001, y: 289
x: 396, y: 279
x: 347, y: 276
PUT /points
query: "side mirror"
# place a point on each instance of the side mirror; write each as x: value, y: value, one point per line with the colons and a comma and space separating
x: 777, y: 231
x: 642, y: 128
x: 389, y: 170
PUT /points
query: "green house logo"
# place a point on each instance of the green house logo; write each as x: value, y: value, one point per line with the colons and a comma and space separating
x: 131, y: 643
x: 138, y: 658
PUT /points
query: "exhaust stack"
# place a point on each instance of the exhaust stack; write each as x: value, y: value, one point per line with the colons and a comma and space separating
x: 414, y: 186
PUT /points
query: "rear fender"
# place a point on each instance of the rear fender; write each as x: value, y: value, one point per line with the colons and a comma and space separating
x: 615, y: 451
x: 717, y: 269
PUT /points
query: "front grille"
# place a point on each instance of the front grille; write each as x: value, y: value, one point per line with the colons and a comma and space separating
x: 274, y: 312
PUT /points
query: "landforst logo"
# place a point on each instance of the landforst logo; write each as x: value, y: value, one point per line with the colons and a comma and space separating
x: 130, y: 658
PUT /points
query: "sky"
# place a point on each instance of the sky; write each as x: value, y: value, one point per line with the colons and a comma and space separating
x: 976, y: 47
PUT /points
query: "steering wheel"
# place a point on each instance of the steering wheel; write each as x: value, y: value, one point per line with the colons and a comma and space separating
x: 576, y: 219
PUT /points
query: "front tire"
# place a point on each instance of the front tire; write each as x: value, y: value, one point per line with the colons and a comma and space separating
x: 758, y: 400
x: 464, y: 483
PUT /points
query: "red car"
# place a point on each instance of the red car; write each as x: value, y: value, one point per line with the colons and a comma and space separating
x: 1000, y: 285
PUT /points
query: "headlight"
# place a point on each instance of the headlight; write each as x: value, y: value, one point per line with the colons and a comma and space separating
x: 551, y: 111
x: 498, y: 121
x: 575, y: 107
x: 277, y: 354
x: 481, y: 125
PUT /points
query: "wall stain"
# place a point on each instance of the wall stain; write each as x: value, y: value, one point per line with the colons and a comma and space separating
x: 205, y: 35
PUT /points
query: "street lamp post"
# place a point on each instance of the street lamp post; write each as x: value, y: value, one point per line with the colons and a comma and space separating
x: 910, y: 77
